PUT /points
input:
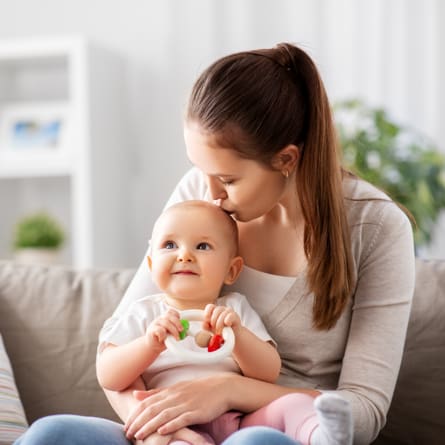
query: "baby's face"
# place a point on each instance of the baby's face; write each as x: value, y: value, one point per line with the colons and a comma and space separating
x: 191, y: 255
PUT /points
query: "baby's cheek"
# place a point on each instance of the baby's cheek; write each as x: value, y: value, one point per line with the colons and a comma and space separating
x: 161, y: 277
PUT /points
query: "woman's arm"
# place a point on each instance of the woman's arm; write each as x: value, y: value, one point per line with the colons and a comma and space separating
x: 124, y: 402
x: 169, y: 409
x: 380, y: 315
x: 140, y: 286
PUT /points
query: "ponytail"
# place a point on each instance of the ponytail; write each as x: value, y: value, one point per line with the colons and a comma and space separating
x: 327, y: 242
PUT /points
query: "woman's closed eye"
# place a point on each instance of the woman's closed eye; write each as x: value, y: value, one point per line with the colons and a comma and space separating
x: 226, y: 181
x: 204, y: 246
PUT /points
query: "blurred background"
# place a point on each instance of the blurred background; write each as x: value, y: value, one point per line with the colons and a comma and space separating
x: 120, y: 72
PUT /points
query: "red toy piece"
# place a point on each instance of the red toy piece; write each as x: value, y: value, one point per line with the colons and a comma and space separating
x: 216, y: 341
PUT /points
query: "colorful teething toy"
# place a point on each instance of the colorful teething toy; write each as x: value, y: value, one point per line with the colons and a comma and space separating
x: 219, y: 347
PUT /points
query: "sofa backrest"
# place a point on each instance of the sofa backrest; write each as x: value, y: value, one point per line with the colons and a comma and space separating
x: 50, y: 318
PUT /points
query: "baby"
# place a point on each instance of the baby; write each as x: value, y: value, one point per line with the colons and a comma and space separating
x: 194, y: 252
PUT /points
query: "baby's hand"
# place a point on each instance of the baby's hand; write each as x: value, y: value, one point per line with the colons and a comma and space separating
x: 167, y: 324
x: 184, y: 435
x: 155, y: 439
x: 217, y: 317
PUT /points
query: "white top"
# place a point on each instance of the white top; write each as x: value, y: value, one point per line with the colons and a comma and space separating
x: 360, y: 357
x: 168, y: 369
x: 265, y: 286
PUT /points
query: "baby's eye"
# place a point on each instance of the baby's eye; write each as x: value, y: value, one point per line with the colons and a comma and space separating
x: 203, y: 246
x: 169, y: 245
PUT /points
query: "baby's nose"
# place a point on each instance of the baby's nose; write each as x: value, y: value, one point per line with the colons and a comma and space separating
x: 185, y: 256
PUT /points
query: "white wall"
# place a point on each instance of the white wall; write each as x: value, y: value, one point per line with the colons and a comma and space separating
x: 388, y: 51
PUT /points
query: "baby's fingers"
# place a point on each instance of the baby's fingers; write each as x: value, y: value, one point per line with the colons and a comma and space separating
x: 190, y: 436
x: 170, y: 326
x: 208, y: 313
x: 155, y: 439
x: 226, y: 317
x: 173, y: 318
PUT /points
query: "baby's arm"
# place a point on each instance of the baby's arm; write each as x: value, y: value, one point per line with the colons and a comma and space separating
x: 119, y: 366
x: 257, y: 358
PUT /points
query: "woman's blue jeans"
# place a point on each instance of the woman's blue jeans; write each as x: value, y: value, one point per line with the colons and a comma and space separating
x: 66, y: 429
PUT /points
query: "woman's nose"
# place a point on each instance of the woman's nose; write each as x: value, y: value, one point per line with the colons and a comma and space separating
x: 216, y: 190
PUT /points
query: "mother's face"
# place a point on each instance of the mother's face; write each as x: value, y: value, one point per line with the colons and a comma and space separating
x: 243, y: 187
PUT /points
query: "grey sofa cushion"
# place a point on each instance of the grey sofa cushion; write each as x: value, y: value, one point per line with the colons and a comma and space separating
x: 50, y: 318
x: 417, y: 412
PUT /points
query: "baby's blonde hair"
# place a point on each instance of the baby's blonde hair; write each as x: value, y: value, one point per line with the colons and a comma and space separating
x: 226, y: 219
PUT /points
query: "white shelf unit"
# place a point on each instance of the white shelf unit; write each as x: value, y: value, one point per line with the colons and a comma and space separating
x: 81, y: 180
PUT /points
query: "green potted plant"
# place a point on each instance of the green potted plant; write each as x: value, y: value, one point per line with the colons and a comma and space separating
x: 395, y: 158
x: 38, y: 237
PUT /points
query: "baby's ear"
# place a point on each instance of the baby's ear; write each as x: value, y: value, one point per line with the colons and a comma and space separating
x: 235, y: 268
x: 149, y: 262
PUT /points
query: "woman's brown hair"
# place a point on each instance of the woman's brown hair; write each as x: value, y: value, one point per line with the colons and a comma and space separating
x: 258, y: 102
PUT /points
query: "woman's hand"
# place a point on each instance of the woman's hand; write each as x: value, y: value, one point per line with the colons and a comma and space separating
x: 167, y: 410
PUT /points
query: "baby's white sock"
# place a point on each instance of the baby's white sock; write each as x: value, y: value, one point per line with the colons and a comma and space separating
x: 335, y: 421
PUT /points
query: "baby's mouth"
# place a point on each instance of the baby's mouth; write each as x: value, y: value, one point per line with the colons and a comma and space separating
x: 184, y: 272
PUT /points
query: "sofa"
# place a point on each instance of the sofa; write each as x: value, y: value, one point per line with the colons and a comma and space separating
x: 50, y: 317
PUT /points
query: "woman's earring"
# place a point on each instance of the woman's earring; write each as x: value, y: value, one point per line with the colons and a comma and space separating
x: 285, y: 173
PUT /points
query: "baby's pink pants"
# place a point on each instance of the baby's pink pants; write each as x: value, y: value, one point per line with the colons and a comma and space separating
x: 293, y: 414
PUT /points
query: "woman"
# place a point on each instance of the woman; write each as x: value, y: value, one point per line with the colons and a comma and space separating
x: 329, y: 258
